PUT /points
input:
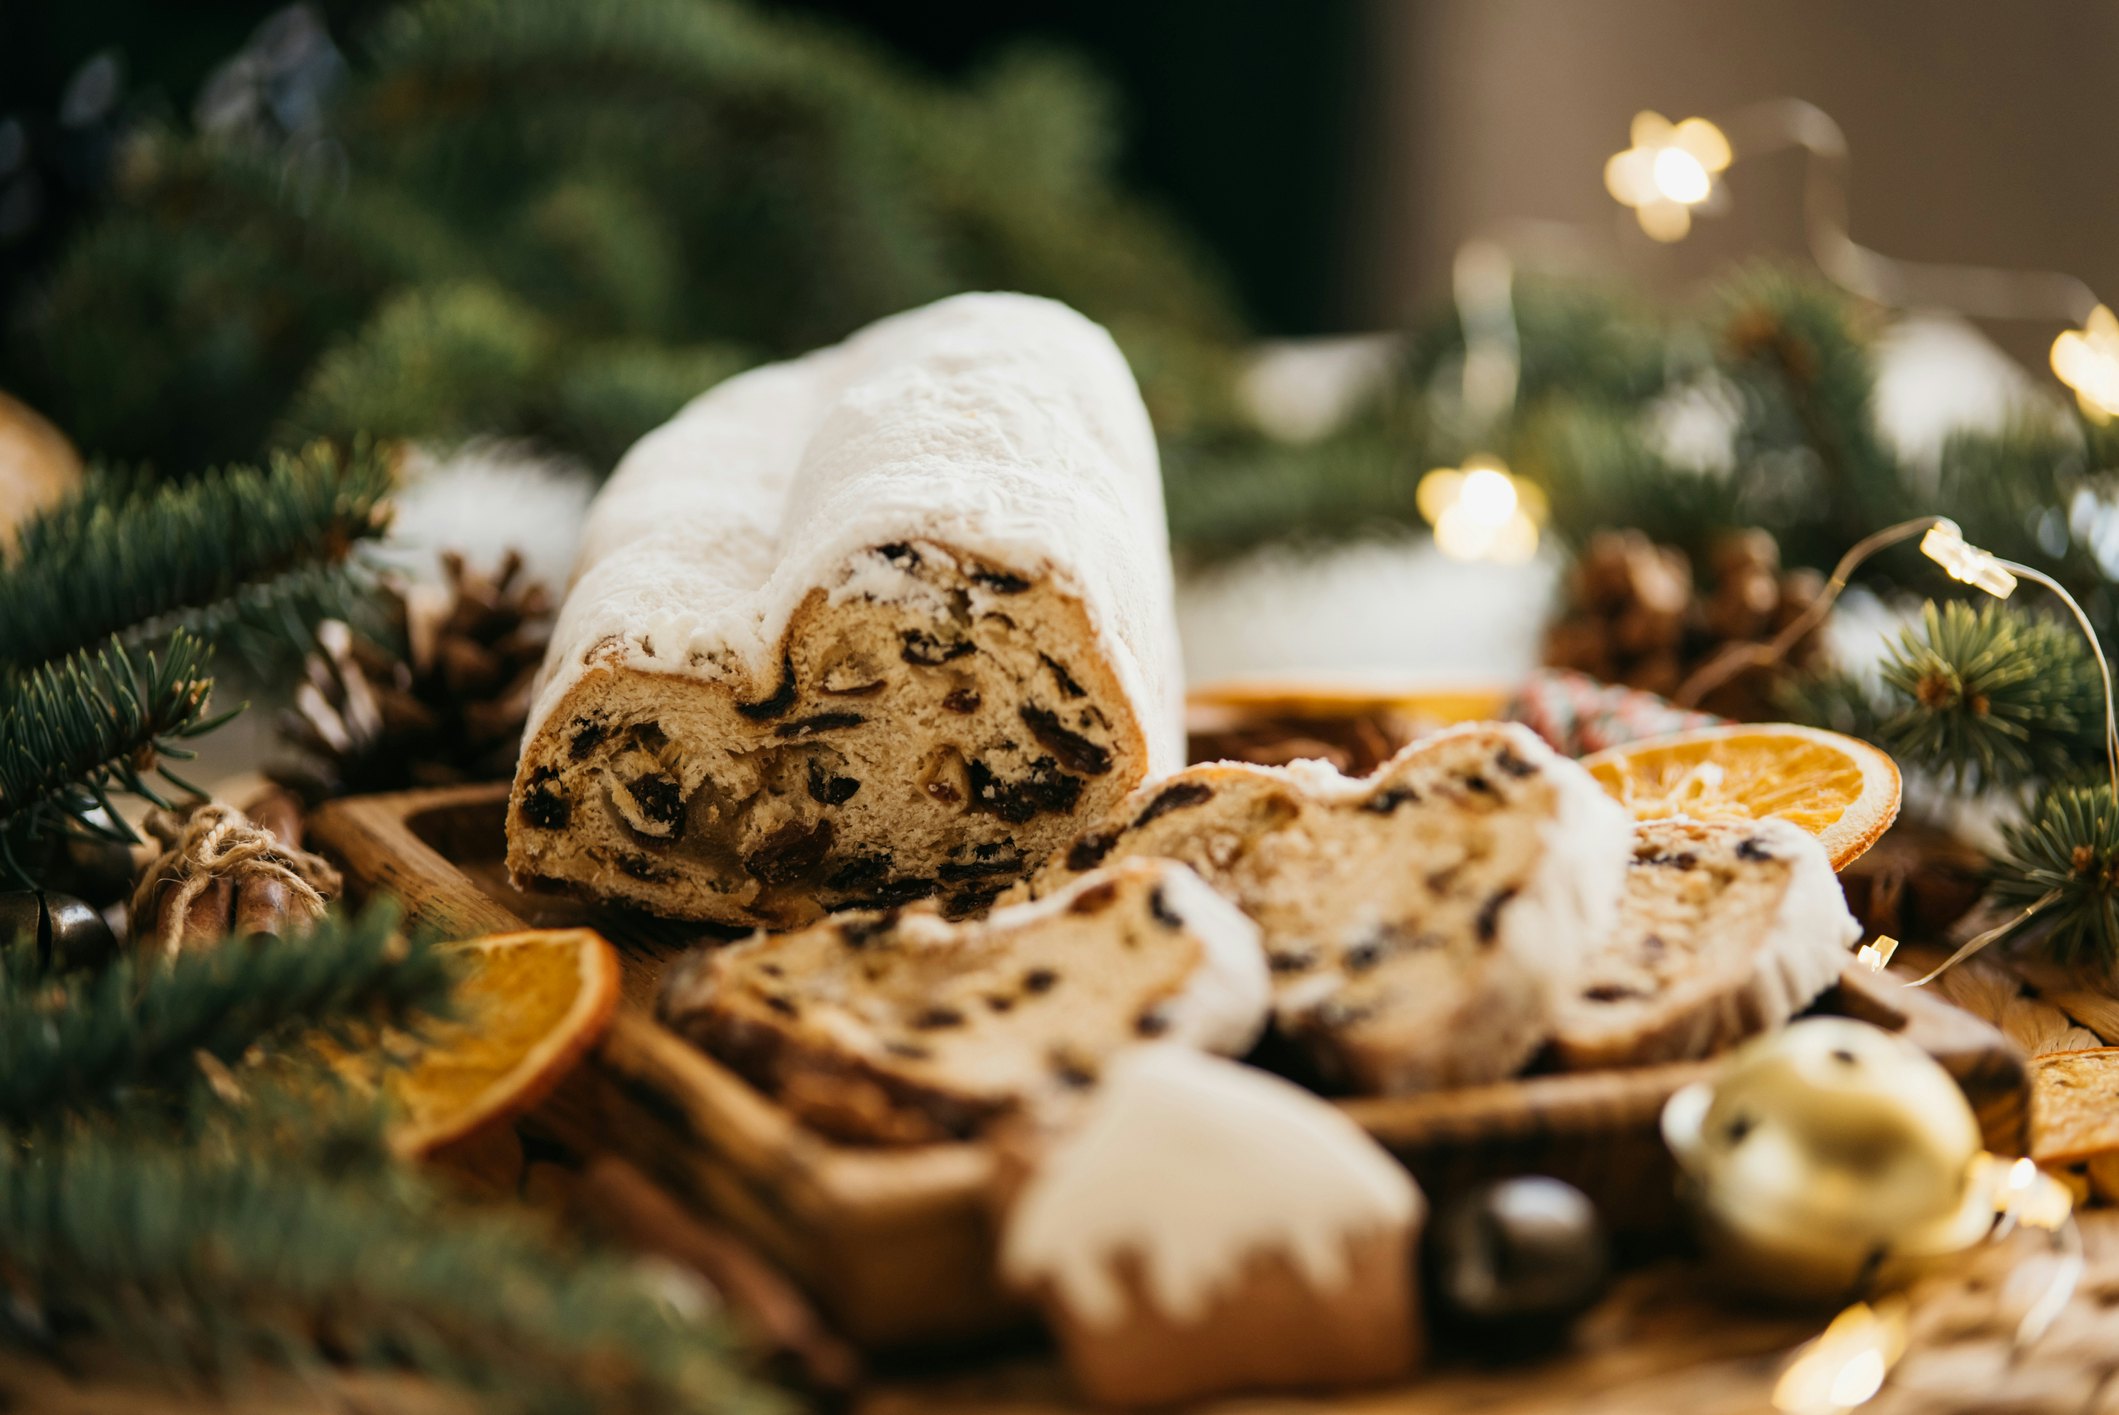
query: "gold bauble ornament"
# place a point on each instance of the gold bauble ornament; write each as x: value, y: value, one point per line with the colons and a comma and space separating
x: 37, y: 466
x: 1828, y: 1157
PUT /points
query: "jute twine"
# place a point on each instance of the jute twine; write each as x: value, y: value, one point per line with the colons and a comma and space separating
x: 217, y: 841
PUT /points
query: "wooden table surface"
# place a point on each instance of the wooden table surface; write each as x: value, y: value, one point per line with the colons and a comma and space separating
x: 1665, y: 1342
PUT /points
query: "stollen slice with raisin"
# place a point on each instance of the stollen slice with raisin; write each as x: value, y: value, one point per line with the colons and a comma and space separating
x: 1421, y: 922
x: 1726, y: 929
x: 902, y: 1027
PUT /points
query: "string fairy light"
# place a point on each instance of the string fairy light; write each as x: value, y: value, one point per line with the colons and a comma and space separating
x: 1673, y: 169
x: 1482, y: 511
x: 1848, y: 1364
x: 1670, y: 169
x: 1479, y: 509
x: 1876, y: 956
x: 2087, y: 360
x: 1943, y: 542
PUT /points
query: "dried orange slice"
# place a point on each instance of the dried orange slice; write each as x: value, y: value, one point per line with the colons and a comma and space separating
x: 1842, y: 791
x: 530, y: 1006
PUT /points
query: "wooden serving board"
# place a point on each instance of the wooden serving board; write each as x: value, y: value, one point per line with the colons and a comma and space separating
x: 897, y: 1245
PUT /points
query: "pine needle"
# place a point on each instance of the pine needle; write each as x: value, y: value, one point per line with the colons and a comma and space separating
x: 240, y: 546
x: 1992, y: 696
x: 84, y: 1042
x: 2063, y: 858
x: 75, y: 731
x: 210, y: 1257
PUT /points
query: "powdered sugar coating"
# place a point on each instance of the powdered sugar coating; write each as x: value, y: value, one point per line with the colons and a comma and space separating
x: 1192, y: 1165
x: 1001, y: 426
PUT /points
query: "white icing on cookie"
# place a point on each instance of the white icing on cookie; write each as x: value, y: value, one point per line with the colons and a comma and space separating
x: 1004, y: 426
x: 1192, y: 1165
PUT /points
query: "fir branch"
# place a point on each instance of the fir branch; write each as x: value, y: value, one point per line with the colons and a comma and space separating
x: 237, y: 545
x: 1834, y: 700
x: 446, y: 363
x: 1600, y: 470
x: 203, y: 1259
x: 83, y: 1043
x: 1992, y: 696
x: 2062, y: 859
x: 1225, y: 500
x: 1815, y: 467
x: 1585, y: 341
x: 74, y: 731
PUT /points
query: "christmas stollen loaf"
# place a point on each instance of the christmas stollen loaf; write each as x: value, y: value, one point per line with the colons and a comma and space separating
x: 1422, y: 922
x: 888, y: 621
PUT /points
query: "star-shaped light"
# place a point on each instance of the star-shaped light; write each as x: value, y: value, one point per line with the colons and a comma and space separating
x: 2087, y: 360
x: 1670, y: 169
x: 1482, y: 511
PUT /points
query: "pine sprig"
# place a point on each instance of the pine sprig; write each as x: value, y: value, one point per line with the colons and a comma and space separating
x: 98, y: 721
x: 241, y: 545
x: 2063, y: 858
x: 208, y: 1257
x: 1992, y: 696
x: 82, y: 1043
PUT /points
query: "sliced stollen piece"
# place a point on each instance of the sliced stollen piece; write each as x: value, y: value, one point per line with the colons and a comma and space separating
x: 1420, y: 922
x: 899, y: 1026
x: 1207, y: 1227
x: 1725, y: 930
x: 889, y: 621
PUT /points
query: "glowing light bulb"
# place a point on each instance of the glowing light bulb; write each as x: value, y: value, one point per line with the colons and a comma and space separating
x: 1966, y: 563
x: 1669, y: 170
x: 2087, y: 360
x: 1680, y: 177
x: 2032, y: 1197
x: 1874, y: 956
x: 1482, y: 511
x: 1847, y: 1365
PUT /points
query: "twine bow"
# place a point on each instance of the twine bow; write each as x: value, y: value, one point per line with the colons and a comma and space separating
x: 217, y: 841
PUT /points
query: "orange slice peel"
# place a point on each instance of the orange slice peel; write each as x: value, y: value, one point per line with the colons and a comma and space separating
x: 1843, y: 791
x: 530, y: 1007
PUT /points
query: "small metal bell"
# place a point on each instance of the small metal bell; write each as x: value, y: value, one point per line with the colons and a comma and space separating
x: 1828, y: 1157
x: 64, y: 933
x: 1518, y: 1258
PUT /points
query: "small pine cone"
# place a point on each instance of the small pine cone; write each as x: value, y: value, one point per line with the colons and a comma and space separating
x: 1583, y: 644
x: 1603, y: 574
x: 1660, y: 674
x: 1743, y: 603
x: 1739, y: 551
x: 451, y: 709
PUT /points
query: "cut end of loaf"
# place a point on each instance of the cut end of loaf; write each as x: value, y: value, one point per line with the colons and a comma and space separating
x: 1725, y: 930
x: 937, y: 725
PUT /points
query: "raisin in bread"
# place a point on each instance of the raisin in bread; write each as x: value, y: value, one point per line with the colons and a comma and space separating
x: 889, y: 621
x: 902, y: 1027
x: 1420, y: 922
x: 1725, y: 930
x: 1205, y: 1227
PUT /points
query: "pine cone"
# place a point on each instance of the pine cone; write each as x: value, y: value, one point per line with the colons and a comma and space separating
x: 1635, y: 615
x: 449, y: 710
